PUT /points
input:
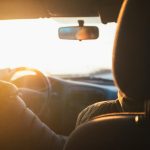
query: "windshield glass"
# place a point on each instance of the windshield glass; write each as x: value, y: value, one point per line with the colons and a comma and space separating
x: 35, y: 43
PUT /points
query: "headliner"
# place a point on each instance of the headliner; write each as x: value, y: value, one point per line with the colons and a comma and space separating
x: 23, y: 9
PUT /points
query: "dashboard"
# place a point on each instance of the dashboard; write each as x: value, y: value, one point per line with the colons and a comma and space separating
x: 68, y: 98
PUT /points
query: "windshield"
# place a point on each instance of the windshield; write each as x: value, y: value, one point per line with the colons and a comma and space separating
x: 35, y: 43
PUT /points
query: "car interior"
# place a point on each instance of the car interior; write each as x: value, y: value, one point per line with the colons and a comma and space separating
x: 62, y: 97
x: 124, y: 130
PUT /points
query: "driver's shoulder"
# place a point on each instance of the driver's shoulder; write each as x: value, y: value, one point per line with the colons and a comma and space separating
x: 96, y: 109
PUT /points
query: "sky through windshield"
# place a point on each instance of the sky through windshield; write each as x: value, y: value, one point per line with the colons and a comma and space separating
x: 35, y: 43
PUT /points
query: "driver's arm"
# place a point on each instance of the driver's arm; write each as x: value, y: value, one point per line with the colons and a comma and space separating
x: 5, y: 74
x: 20, y: 128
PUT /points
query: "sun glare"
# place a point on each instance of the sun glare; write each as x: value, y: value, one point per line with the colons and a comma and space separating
x: 35, y: 43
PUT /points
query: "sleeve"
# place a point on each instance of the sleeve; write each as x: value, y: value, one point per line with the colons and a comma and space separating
x: 20, y: 128
x: 96, y: 109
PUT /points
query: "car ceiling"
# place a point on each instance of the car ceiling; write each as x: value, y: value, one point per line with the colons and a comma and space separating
x: 23, y: 9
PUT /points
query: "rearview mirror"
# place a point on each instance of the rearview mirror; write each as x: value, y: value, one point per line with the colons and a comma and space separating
x: 78, y: 33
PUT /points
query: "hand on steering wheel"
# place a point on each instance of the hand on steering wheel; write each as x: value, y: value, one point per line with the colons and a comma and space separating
x: 8, y: 74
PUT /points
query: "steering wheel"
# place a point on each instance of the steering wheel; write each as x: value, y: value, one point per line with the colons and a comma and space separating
x: 47, y: 90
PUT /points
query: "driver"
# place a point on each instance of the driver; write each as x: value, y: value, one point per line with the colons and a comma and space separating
x: 20, y: 125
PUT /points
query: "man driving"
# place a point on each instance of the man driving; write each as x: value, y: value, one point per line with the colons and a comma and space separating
x: 22, y: 129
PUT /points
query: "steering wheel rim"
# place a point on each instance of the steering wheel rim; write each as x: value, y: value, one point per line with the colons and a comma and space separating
x: 46, y: 81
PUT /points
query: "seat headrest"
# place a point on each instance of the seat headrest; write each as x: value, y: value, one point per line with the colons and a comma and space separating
x: 131, y: 54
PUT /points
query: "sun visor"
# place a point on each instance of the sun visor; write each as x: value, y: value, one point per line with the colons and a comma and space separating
x: 22, y: 9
